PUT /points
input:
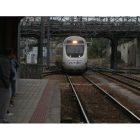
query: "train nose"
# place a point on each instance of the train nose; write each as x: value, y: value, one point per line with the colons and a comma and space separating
x: 74, y: 62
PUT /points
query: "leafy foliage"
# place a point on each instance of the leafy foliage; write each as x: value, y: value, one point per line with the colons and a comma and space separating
x: 97, y: 47
x: 93, y: 49
x: 124, y: 40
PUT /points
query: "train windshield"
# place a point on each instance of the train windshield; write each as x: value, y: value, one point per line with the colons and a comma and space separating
x: 75, y: 50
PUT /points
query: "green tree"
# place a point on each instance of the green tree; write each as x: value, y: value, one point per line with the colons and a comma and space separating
x: 93, y: 49
x: 97, y: 47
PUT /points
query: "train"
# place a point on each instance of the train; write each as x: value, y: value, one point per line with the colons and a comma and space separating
x: 73, y: 53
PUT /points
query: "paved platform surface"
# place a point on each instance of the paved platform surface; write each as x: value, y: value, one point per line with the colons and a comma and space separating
x: 37, y: 101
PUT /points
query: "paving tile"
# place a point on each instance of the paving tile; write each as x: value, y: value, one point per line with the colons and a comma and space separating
x: 26, y: 110
x: 31, y: 100
x: 31, y: 110
x: 19, y: 120
x: 26, y: 120
x: 27, y: 99
x: 29, y: 114
x: 19, y: 109
x: 22, y: 113
x: 36, y: 101
x: 23, y: 104
x: 28, y: 106
x: 34, y: 106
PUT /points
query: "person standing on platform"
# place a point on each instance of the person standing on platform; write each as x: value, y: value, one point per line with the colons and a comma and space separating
x: 14, y: 65
x: 6, y: 75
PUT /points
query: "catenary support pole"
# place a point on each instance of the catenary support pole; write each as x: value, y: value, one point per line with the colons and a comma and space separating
x: 114, y: 63
x: 18, y: 56
x: 18, y: 50
x: 40, y: 43
x: 138, y: 53
x: 48, y: 42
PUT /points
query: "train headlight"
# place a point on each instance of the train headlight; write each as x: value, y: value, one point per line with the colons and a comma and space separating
x: 74, y: 41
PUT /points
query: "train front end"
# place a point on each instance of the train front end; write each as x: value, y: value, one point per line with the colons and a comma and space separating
x: 74, y: 54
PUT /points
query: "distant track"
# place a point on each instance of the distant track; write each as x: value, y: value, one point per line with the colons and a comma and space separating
x: 126, y: 110
x: 130, y: 85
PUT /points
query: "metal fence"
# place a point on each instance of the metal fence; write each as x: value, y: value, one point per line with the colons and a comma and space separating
x: 31, y: 71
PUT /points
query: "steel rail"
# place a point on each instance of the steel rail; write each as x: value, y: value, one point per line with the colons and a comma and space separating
x: 133, y: 71
x: 136, y: 80
x: 115, y: 72
x: 136, y: 118
x: 51, y: 73
x: 132, y: 86
x: 82, y: 109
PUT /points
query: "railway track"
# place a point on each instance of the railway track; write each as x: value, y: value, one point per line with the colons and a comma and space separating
x: 127, y: 77
x: 108, y: 104
x: 78, y: 100
x: 126, y: 80
x: 97, y: 106
x: 126, y: 110
x: 121, y: 71
x: 131, y: 78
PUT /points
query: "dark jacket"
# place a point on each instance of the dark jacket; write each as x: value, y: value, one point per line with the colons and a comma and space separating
x: 14, y: 65
x: 6, y: 73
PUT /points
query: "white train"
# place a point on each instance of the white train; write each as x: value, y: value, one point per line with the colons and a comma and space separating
x: 74, y: 54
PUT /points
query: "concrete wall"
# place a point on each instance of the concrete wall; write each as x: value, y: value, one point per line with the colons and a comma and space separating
x: 128, y: 52
x: 132, y: 55
x: 138, y: 53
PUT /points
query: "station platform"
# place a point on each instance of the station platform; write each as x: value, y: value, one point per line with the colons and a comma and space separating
x: 37, y: 101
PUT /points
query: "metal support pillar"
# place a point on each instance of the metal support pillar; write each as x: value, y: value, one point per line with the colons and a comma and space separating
x: 19, y: 36
x: 40, y: 47
x: 18, y: 50
x: 114, y: 63
x: 138, y: 53
x: 18, y: 56
x: 38, y: 56
x: 48, y: 42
